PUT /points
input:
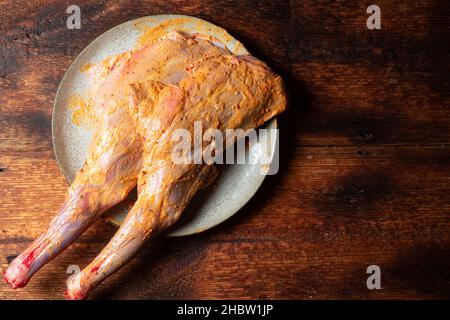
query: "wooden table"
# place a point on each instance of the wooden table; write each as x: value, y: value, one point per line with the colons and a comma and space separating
x: 365, y: 154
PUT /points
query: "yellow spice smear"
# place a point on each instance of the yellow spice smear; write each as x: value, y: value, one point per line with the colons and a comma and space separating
x: 82, y: 106
x: 152, y: 33
x: 82, y: 111
x: 83, y: 114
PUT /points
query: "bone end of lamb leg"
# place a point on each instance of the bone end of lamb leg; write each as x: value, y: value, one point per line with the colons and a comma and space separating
x: 75, y: 289
x: 17, y: 274
x: 23, y: 266
x: 17, y: 277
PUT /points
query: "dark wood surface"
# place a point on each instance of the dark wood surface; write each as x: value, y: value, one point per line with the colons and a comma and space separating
x: 365, y: 154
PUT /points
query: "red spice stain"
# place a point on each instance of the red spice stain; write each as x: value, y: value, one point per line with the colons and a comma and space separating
x: 29, y: 258
x: 95, y: 269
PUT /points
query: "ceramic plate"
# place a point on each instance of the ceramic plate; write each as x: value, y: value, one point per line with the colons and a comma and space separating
x: 236, y: 184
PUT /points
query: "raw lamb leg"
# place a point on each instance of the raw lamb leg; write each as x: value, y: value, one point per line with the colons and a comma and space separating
x: 115, y: 155
x: 224, y: 92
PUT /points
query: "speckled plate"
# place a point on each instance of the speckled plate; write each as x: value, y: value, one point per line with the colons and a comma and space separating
x: 236, y: 184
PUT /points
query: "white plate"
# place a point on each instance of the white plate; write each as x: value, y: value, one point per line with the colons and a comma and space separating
x: 236, y: 184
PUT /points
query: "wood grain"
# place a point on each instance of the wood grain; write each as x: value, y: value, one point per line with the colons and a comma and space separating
x: 365, y: 155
